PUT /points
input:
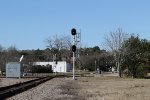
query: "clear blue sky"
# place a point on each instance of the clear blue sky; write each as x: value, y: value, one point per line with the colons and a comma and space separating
x: 27, y: 23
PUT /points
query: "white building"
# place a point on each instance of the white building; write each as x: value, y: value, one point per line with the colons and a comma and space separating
x: 61, y: 66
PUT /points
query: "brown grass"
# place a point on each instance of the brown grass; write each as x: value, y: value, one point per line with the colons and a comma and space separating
x: 111, y: 88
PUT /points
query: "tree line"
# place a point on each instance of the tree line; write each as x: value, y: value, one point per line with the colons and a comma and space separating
x: 130, y: 53
x: 124, y: 51
x: 85, y: 56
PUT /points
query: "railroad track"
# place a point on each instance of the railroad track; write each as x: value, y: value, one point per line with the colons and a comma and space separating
x: 8, y: 91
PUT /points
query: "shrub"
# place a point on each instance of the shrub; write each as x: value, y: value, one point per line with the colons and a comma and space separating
x: 42, y: 69
x: 142, y: 71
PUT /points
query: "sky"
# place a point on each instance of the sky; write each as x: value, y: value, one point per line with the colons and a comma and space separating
x: 26, y: 24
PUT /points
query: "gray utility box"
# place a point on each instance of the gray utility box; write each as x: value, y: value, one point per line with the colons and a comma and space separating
x: 13, y: 69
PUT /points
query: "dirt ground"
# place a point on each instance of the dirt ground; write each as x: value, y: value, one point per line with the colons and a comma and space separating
x: 89, y: 88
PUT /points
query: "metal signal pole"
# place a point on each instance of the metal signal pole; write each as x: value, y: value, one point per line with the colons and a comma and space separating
x: 74, y: 59
x: 73, y: 32
x: 76, y: 39
x: 73, y: 66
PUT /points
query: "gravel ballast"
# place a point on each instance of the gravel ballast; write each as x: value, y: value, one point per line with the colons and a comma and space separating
x: 10, y: 81
x: 55, y: 89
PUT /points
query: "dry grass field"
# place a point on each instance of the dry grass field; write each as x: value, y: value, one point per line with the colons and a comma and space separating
x: 89, y: 88
x: 113, y: 88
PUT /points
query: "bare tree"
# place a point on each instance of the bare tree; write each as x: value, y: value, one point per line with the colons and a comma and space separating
x: 114, y: 42
x: 6, y: 55
x: 58, y: 44
x: 12, y: 54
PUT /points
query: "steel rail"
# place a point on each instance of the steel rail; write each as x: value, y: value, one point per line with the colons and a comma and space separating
x: 8, y: 91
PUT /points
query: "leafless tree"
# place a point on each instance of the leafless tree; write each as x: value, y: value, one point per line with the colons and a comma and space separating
x: 6, y: 55
x: 12, y: 54
x: 114, y: 42
x: 58, y: 42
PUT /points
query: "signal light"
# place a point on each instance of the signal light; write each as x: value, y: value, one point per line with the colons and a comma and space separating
x: 74, y: 48
x: 73, y: 31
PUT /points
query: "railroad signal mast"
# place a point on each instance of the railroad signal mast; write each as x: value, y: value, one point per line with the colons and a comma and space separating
x: 76, y: 40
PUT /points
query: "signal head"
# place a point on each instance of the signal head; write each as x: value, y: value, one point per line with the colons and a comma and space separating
x: 73, y: 48
x: 73, y: 31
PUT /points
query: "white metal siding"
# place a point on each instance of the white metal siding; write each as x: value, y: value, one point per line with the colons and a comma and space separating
x: 61, y: 66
